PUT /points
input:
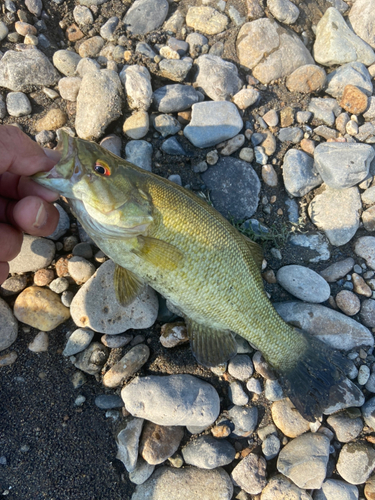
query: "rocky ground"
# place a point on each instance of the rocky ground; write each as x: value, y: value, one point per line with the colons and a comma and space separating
x: 267, y: 110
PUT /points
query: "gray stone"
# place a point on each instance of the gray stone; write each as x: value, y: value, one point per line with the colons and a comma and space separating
x: 78, y: 341
x: 365, y: 247
x: 343, y: 165
x: 254, y: 385
x: 108, y: 28
x: 137, y: 82
x: 139, y: 153
x: 313, y: 247
x: 369, y: 114
x: 82, y: 15
x: 66, y: 61
x: 250, y: 474
x: 128, y: 442
x: 337, y: 270
x: 188, y: 482
x: 273, y: 390
x: 142, y: 471
x: 8, y: 326
x: 63, y: 224
x: 362, y: 20
x: 21, y: 71
x: 367, y: 313
x: 69, y: 87
x: 186, y: 400
x: 271, y: 447
x: 126, y: 366
x: 93, y: 114
x: 144, y: 49
x: 212, y: 123
x: 304, y: 283
x: 59, y: 285
x: 196, y: 41
x: 368, y: 412
x: 280, y: 487
x: 356, y: 462
x: 92, y: 359
x: 80, y: 269
x: 299, y: 173
x: 145, y: 16
x: 34, y: 6
x: 166, y: 125
x: 245, y: 420
x: 13, y: 285
x: 18, y: 104
x: 174, y: 98
x: 113, y: 144
x: 332, y: 327
x: 354, y: 73
x: 115, y: 341
x: 175, y: 69
x: 283, y: 10
x: 241, y: 367
x: 237, y: 395
x: 110, y: 317
x: 336, y: 212
x: 207, y: 452
x: 346, y: 428
x: 241, y: 202
x: 335, y: 42
x: 218, y: 78
x: 349, y: 395
x: 292, y: 134
x: 304, y: 460
x: 270, y: 51
x: 36, y: 253
x: 172, y: 146
x: 333, y: 489
x: 89, y: 3
x: 3, y: 30
x: 87, y: 65
x: 206, y: 19
x: 323, y: 109
x: 287, y: 418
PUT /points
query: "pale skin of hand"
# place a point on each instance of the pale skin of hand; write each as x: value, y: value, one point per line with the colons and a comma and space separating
x: 24, y: 205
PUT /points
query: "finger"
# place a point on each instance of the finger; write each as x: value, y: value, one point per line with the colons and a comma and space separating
x: 35, y: 216
x: 15, y: 187
x: 4, y: 271
x: 11, y: 241
x: 21, y: 155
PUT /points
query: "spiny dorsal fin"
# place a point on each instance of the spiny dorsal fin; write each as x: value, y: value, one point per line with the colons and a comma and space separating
x: 158, y: 252
x: 210, y: 347
x: 255, y: 250
x: 127, y: 285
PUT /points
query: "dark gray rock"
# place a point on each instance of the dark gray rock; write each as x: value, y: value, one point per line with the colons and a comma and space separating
x: 171, y: 146
x: 20, y: 71
x: 207, y: 452
x: 145, y: 16
x: 234, y: 187
x: 299, y: 174
x: 218, y: 78
x: 174, y: 98
x: 108, y: 401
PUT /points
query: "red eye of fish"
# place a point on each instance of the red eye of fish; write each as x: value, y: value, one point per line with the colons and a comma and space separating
x: 102, y: 168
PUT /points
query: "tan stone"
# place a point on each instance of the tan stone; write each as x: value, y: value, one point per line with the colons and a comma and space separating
x: 306, y: 79
x: 54, y: 119
x: 354, y: 100
x: 159, y: 442
x: 73, y: 33
x: 286, y: 116
x: 254, y: 9
x: 308, y: 146
x: 44, y: 277
x: 207, y: 20
x: 368, y: 218
x: 137, y: 125
x: 25, y: 28
x: 40, y: 308
x: 360, y: 285
x: 287, y: 418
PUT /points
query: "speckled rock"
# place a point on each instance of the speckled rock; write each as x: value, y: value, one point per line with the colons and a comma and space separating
x: 8, y: 326
x: 288, y: 419
x: 356, y: 462
x: 306, y: 79
x: 280, y: 487
x: 36, y: 253
x: 69, y: 87
x: 218, y: 78
x: 304, y: 460
x: 13, y: 285
x: 53, y: 120
x: 348, y: 302
x: 40, y: 308
x: 145, y: 16
x: 304, y: 283
x: 362, y: 20
x: 92, y: 359
x: 330, y: 326
x: 206, y: 20
x: 111, y: 317
x: 188, y: 483
x: 250, y: 474
x: 159, y: 442
x: 346, y: 428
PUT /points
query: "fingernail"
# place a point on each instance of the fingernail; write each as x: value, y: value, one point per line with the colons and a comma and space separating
x: 41, y: 217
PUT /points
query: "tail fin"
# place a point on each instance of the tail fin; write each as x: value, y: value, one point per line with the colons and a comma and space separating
x: 311, y: 384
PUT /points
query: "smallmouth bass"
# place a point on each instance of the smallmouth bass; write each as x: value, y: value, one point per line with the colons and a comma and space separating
x: 163, y: 235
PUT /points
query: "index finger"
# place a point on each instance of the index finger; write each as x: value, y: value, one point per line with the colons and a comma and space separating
x: 21, y: 155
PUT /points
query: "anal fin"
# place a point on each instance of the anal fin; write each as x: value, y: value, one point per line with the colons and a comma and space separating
x: 210, y: 346
x: 127, y: 285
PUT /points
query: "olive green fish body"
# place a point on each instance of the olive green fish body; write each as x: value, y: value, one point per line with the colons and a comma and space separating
x: 163, y: 235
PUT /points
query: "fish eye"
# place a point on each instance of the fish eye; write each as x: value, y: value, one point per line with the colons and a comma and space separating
x: 102, y: 168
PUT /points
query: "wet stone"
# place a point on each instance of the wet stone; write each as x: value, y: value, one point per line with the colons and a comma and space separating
x: 127, y: 366
x: 304, y: 460
x: 92, y: 359
x: 250, y: 474
x: 207, y: 452
x: 356, y: 462
x: 179, y: 394
x: 159, y: 442
x: 244, y: 419
x: 78, y: 341
x: 345, y: 427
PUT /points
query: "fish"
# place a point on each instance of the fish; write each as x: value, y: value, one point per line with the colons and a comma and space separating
x: 162, y: 235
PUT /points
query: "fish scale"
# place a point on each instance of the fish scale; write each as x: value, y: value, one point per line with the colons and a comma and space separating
x: 163, y: 235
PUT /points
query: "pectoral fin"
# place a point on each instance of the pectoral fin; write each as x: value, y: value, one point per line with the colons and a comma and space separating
x: 255, y: 250
x: 158, y: 252
x: 210, y: 347
x: 127, y: 285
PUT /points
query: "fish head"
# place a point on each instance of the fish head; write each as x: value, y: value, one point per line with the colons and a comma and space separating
x: 103, y: 188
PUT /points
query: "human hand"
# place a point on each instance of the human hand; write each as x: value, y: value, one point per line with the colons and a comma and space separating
x: 24, y: 205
